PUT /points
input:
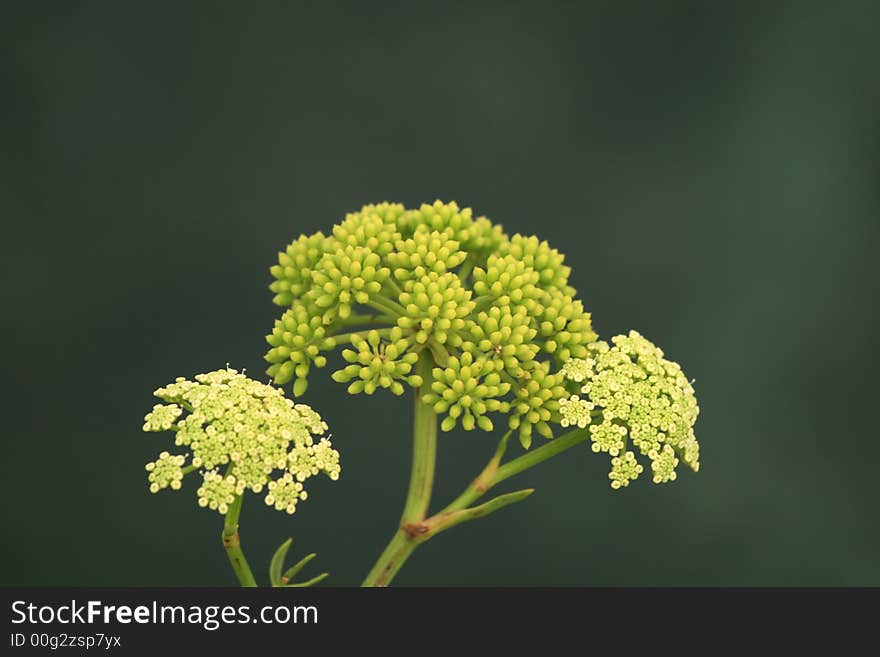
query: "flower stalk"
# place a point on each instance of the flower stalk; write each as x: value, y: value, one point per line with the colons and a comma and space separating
x: 232, y: 544
x: 421, y: 482
x: 413, y: 533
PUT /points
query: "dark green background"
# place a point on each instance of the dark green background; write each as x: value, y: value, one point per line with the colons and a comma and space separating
x: 710, y: 170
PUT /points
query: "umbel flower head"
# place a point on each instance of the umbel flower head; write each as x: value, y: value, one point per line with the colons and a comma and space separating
x: 629, y: 395
x: 495, y: 312
x: 241, y: 435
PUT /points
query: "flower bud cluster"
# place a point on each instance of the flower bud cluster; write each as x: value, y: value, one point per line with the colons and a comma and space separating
x: 378, y: 364
x: 497, y: 313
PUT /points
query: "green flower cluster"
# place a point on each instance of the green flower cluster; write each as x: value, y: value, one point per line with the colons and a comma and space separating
x: 495, y: 311
x: 436, y: 306
x: 467, y: 389
x: 379, y: 364
x: 537, y: 400
x: 249, y: 428
x: 632, y: 395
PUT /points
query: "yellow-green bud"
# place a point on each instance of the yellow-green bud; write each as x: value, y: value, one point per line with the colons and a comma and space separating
x: 536, y: 399
x: 467, y: 389
x: 538, y: 255
x: 346, y: 277
x: 505, y: 336
x: 436, y: 306
x: 297, y: 341
x: 426, y: 251
x: 376, y: 363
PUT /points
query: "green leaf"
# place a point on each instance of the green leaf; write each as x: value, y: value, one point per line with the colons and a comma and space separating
x: 301, y: 585
x: 277, y: 562
x: 502, y: 447
x: 298, y: 566
x: 454, y: 518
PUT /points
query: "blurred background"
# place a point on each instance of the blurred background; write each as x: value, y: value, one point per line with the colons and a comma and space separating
x: 710, y: 169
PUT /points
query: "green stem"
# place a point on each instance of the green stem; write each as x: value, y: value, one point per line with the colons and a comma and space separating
x: 540, y: 454
x: 494, y: 473
x: 360, y: 320
x: 448, y: 519
x: 420, y: 485
x: 413, y: 532
x: 386, y: 306
x: 421, y: 480
x: 483, y: 302
x: 415, y: 528
x: 394, y: 287
x: 345, y: 338
x: 392, y: 558
x: 466, y: 269
x: 232, y: 543
x: 441, y: 355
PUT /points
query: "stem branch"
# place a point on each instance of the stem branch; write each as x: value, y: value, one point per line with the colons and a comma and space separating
x: 415, y: 527
x: 386, y: 306
x: 360, y: 320
x: 448, y: 519
x: 494, y: 473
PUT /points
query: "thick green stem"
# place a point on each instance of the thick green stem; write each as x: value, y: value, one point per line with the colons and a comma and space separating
x: 391, y: 559
x: 421, y: 480
x: 232, y: 543
x: 420, y: 484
